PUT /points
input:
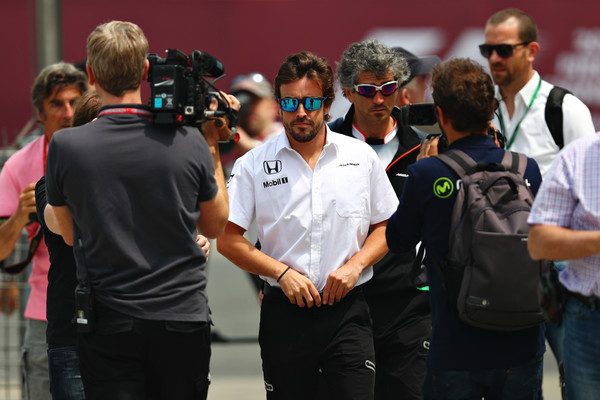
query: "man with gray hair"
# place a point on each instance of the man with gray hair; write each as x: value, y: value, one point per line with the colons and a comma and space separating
x: 53, y: 95
x: 370, y: 74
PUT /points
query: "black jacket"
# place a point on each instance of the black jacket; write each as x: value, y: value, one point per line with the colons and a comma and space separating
x: 393, y: 282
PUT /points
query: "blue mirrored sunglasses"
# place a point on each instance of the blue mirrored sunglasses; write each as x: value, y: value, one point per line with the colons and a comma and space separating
x: 291, y: 104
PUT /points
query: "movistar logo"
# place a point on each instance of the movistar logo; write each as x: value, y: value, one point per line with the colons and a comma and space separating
x: 443, y: 187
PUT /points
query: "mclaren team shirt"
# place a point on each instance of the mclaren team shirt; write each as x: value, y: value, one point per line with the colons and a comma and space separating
x: 313, y: 221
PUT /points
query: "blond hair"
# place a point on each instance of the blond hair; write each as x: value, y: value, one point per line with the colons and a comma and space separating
x: 116, y: 53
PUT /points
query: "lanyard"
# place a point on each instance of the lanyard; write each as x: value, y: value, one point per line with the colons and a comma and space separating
x: 45, y: 153
x: 516, y: 130
x: 125, y: 110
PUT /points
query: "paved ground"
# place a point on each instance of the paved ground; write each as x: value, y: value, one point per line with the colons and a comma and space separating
x: 236, y: 368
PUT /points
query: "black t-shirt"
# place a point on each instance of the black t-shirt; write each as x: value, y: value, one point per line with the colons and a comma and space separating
x: 133, y: 189
x: 62, y: 279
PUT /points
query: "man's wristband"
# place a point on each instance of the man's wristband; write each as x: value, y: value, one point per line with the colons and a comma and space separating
x: 283, y: 273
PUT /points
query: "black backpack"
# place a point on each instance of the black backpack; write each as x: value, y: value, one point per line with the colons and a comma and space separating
x: 553, y: 295
x: 488, y: 273
x: 553, y: 114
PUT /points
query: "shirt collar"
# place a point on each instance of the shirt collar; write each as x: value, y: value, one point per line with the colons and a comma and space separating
x: 471, y: 141
x: 526, y: 92
x: 284, y: 143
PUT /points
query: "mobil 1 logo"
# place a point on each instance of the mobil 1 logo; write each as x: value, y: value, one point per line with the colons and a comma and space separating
x: 273, y: 167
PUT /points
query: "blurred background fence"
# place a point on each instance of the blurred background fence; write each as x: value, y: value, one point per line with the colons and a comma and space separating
x: 12, y: 324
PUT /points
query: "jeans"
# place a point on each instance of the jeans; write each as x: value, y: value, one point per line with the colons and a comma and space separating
x: 582, y: 350
x: 555, y: 335
x: 522, y: 382
x: 34, y: 361
x: 65, y: 377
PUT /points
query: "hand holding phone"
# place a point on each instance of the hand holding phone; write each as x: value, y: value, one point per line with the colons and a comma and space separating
x: 429, y: 146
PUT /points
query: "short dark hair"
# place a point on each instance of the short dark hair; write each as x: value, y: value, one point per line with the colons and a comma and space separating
x: 465, y: 92
x: 306, y: 64
x: 86, y: 108
x: 528, y: 31
x: 59, y: 75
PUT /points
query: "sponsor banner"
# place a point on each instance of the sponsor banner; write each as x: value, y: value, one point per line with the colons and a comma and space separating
x: 250, y: 35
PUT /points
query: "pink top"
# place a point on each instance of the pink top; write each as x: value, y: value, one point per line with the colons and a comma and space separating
x: 21, y: 169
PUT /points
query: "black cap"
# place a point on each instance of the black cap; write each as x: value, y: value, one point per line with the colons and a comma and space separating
x: 417, y: 65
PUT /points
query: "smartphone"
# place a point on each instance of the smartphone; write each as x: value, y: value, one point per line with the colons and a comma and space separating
x: 442, y: 144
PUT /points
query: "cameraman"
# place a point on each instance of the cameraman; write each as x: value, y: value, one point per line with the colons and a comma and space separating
x: 464, y: 362
x: 130, y: 195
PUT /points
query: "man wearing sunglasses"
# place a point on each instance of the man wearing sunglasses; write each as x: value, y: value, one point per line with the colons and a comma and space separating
x: 321, y: 202
x: 511, y: 46
x: 369, y: 74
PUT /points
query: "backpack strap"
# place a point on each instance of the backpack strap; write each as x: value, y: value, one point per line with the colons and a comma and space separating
x: 20, y: 266
x: 514, y: 162
x: 459, y: 161
x: 553, y: 114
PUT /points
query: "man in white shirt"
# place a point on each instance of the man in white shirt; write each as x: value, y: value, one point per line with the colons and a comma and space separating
x: 511, y: 46
x: 321, y: 202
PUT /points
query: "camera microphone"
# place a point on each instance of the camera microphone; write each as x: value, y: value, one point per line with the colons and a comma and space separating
x: 208, y: 64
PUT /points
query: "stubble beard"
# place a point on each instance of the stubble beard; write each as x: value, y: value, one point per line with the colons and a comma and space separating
x: 302, y: 135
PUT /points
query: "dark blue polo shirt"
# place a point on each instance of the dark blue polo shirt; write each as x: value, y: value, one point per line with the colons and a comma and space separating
x: 422, y: 215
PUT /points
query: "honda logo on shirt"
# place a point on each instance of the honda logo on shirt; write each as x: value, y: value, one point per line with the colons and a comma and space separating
x: 272, y: 167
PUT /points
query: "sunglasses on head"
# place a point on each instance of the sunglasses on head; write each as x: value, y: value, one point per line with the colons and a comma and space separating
x: 503, y: 50
x: 368, y: 90
x: 291, y: 104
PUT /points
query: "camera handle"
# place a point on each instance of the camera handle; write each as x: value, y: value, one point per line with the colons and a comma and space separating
x: 232, y: 117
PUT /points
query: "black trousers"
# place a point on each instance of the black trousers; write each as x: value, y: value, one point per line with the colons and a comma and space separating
x: 132, y: 359
x: 318, y: 353
x: 401, y: 345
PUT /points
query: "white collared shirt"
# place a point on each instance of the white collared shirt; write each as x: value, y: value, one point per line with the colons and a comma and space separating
x: 533, y: 136
x: 313, y: 221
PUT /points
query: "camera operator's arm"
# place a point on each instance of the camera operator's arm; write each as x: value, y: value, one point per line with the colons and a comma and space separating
x: 59, y: 220
x: 214, y: 212
x: 10, y: 230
